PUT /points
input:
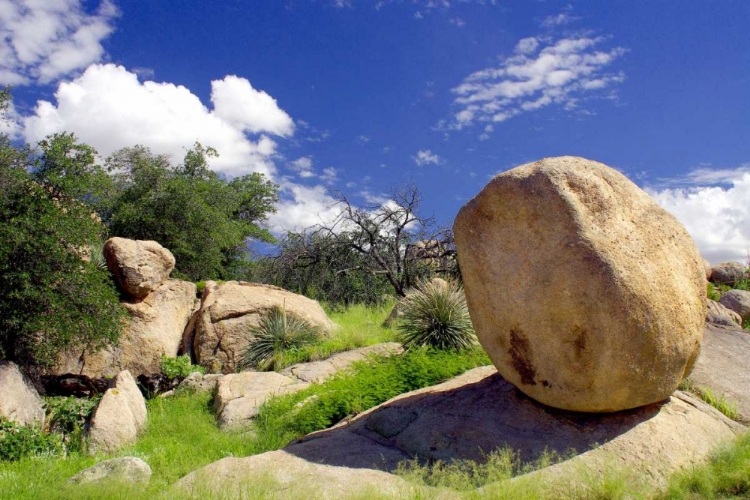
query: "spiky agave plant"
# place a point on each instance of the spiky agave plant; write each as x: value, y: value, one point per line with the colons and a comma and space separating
x: 278, y: 332
x: 96, y: 254
x: 435, y: 314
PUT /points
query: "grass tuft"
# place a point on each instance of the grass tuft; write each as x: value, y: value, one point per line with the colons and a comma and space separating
x: 721, y: 403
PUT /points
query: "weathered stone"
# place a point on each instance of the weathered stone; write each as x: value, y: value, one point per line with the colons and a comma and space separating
x: 229, y: 311
x: 112, y: 425
x: 125, y: 383
x: 200, y: 383
x: 720, y: 315
x: 737, y: 301
x: 558, y: 259
x: 318, y: 371
x: 240, y: 395
x: 727, y: 273
x: 125, y: 469
x: 139, y: 267
x: 724, y: 366
x: 19, y: 401
x: 467, y: 418
x: 154, y: 327
x: 119, y: 417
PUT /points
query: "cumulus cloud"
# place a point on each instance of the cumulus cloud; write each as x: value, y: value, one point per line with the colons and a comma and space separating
x: 44, y: 40
x: 302, y: 207
x: 109, y: 108
x: 716, y: 211
x: 426, y: 157
x: 329, y: 175
x: 541, y: 72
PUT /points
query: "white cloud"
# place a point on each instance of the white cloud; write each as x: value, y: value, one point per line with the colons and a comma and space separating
x: 329, y: 175
x: 237, y: 102
x: 560, y: 19
x: 44, y: 40
x: 302, y: 207
x: 562, y: 72
x: 716, y: 216
x: 108, y: 108
x: 426, y: 157
x: 303, y: 166
x: 363, y: 139
x: 457, y: 21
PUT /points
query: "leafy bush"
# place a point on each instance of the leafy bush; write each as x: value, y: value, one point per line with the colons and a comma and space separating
x: 277, y: 333
x: 18, y: 441
x: 68, y: 416
x: 178, y: 367
x: 435, y: 314
x: 712, y: 293
x: 51, y: 299
x: 367, y: 384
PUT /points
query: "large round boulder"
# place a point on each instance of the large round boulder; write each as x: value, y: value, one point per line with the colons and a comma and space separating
x: 139, y: 267
x: 222, y: 328
x: 559, y: 260
x: 727, y: 273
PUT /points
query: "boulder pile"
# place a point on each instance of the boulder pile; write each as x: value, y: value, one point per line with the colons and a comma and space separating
x: 158, y: 308
x: 220, y: 331
x: 559, y: 258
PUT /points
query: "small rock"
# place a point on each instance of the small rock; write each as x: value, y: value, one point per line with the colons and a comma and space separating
x: 19, y: 401
x: 126, y: 469
x: 316, y: 372
x: 119, y: 417
x: 727, y: 273
x: 720, y: 315
x: 198, y: 382
x: 240, y: 395
x: 139, y: 267
x: 737, y: 301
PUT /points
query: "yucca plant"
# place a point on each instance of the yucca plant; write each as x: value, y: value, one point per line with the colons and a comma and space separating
x: 96, y: 254
x: 277, y: 333
x: 435, y: 314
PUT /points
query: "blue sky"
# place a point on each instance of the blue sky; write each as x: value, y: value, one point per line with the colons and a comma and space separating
x: 361, y: 95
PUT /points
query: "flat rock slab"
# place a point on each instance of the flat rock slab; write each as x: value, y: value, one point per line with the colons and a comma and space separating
x: 318, y: 371
x: 126, y: 469
x: 724, y: 366
x: 477, y: 413
x: 239, y: 396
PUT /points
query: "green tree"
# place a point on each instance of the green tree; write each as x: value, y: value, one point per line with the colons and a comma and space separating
x: 204, y: 219
x: 51, y: 298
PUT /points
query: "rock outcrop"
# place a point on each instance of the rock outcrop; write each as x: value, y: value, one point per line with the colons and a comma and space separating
x: 558, y: 259
x: 222, y: 328
x: 154, y: 327
x: 316, y: 372
x: 125, y: 469
x: 19, y: 401
x: 737, y: 301
x: 724, y: 366
x: 719, y: 315
x: 467, y: 418
x: 239, y: 396
x: 119, y: 417
x: 139, y: 267
x: 727, y: 273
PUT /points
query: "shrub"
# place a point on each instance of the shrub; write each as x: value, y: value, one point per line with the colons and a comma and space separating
x: 68, y: 416
x: 51, y: 299
x: 712, y: 293
x: 435, y: 314
x: 277, y: 333
x: 18, y: 441
x: 178, y: 367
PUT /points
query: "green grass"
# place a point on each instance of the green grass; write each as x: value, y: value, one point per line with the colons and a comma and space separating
x: 726, y: 476
x: 359, y: 326
x: 721, y: 403
x: 712, y: 292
